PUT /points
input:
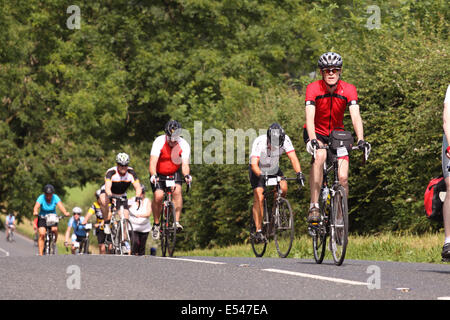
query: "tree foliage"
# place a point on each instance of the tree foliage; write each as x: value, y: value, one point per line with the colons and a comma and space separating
x: 70, y: 99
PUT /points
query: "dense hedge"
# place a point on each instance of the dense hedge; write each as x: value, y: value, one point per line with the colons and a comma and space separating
x: 71, y: 99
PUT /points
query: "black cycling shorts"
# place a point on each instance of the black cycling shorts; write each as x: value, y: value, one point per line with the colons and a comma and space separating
x: 324, y: 139
x: 160, y: 185
x: 42, y: 222
x: 101, y: 236
x: 258, y: 182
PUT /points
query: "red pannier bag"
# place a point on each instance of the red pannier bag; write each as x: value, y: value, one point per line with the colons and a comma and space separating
x: 434, y: 198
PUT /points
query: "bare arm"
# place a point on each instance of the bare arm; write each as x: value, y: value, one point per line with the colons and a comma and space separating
x: 152, y: 165
x: 185, y: 169
x: 63, y: 210
x: 69, y: 228
x: 310, y: 127
x: 137, y: 187
x: 294, y: 161
x: 108, y: 185
x: 37, y: 205
x: 357, y: 121
x: 255, y: 166
x: 446, y: 125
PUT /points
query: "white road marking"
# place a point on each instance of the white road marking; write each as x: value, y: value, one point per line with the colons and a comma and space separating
x: 316, y: 277
x: 6, y: 252
x: 192, y: 260
x: 443, y: 298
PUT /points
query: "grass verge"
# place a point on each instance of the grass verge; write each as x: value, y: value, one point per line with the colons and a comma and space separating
x: 384, y: 247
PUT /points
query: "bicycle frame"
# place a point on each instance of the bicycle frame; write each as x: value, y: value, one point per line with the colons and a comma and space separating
x: 49, y: 240
x: 168, y: 231
x: 117, y: 210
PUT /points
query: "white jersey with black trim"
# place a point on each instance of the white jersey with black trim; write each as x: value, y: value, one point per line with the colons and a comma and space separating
x: 269, y: 155
x: 120, y: 183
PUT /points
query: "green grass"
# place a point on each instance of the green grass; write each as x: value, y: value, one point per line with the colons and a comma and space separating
x: 384, y: 247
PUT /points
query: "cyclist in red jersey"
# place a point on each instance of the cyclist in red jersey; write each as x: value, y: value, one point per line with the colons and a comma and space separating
x: 169, y: 153
x: 326, y: 102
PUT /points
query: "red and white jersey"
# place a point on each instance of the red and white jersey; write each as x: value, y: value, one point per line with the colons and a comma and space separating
x: 330, y: 108
x: 269, y: 155
x: 170, y: 158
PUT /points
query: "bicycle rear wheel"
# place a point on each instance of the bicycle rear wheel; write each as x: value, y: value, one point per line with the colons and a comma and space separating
x: 53, y: 249
x: 284, y: 228
x: 169, y: 234
x: 259, y: 248
x: 339, y: 226
x: 115, y: 238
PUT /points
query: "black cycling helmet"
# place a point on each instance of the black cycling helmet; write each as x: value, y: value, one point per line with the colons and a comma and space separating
x: 330, y: 59
x: 275, y: 135
x: 171, y: 127
x: 49, y: 189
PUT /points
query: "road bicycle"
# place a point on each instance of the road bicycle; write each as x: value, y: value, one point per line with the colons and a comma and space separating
x: 121, y: 228
x: 333, y: 207
x: 278, y: 221
x: 11, y: 236
x: 51, y: 220
x: 168, y: 218
x: 82, y: 247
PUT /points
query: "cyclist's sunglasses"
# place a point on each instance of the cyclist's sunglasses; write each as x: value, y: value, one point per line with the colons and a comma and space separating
x: 334, y: 70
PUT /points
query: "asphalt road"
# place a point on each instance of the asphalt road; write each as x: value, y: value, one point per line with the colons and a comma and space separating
x: 21, y: 247
x: 96, y: 277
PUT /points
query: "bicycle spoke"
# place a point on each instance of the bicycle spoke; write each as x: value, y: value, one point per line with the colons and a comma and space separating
x: 258, y: 247
x: 339, y: 226
x: 171, y: 229
x: 284, y: 228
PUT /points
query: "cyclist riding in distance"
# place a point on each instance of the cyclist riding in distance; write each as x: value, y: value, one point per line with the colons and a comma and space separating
x: 45, y: 204
x: 169, y: 152
x: 117, y: 181
x: 264, y: 159
x: 99, y: 225
x: 76, y: 223
x: 10, y: 223
x: 326, y: 101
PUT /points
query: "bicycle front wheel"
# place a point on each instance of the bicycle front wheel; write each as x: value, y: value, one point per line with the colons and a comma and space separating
x: 284, y: 228
x: 318, y: 232
x: 115, y: 237
x: 339, y: 226
x: 53, y: 249
x: 258, y: 247
x: 125, y: 235
x: 169, y: 234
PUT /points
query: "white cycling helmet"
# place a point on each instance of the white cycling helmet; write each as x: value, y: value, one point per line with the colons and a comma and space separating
x: 123, y: 159
x: 77, y: 210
